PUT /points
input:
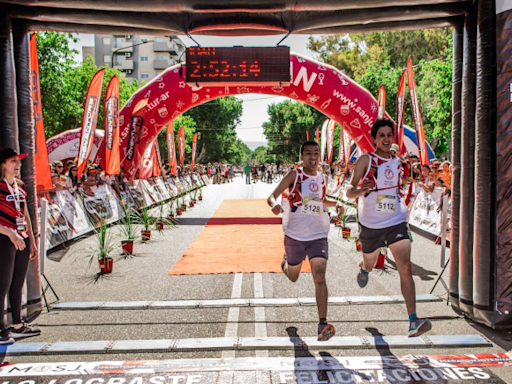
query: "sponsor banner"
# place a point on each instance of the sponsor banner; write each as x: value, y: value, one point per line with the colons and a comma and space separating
x: 157, y: 160
x: 152, y: 191
x: 337, y: 187
x: 43, y: 177
x: 181, y: 145
x: 112, y: 160
x: 162, y: 189
x: 101, y: 205
x: 58, y: 230
x: 206, y: 180
x: 171, y: 150
x: 450, y: 369
x: 425, y: 211
x: 323, y: 140
x: 89, y: 120
x: 136, y: 191
x: 171, y: 186
x: 331, y: 126
x: 194, y: 143
x: 73, y: 211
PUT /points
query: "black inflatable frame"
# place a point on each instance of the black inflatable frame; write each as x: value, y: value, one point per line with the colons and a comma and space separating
x: 480, y: 278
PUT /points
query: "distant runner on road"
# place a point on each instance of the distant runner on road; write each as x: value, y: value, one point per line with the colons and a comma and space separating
x: 383, y: 216
x: 306, y: 226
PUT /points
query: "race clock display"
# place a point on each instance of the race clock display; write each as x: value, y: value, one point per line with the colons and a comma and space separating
x: 238, y: 65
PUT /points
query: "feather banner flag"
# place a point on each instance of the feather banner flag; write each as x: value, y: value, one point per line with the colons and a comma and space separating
x: 317, y: 136
x: 111, y: 120
x: 400, y: 111
x: 194, y: 143
x: 43, y: 178
x: 416, y: 115
x: 157, y: 160
x: 89, y: 120
x: 171, y: 149
x: 382, y: 103
x: 307, y: 135
x: 331, y: 126
x: 181, y: 145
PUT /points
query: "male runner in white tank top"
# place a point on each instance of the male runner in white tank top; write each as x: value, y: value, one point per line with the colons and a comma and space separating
x: 306, y: 226
x: 383, y: 216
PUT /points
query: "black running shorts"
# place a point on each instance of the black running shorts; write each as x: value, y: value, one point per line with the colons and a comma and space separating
x: 373, y: 239
x: 296, y: 250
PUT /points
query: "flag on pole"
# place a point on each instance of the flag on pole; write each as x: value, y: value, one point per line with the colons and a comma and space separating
x: 112, y: 160
x: 181, y: 145
x: 346, y: 144
x: 382, y: 103
x: 43, y: 176
x: 157, y: 160
x: 307, y: 135
x: 146, y: 164
x: 331, y: 126
x: 89, y: 120
x: 317, y: 137
x: 341, y: 150
x: 416, y: 115
x: 171, y: 149
x: 399, y: 116
x: 194, y: 143
x: 323, y: 140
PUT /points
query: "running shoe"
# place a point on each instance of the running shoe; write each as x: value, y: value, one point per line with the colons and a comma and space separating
x: 5, y: 340
x: 26, y: 330
x: 325, y: 332
x: 419, y: 326
x: 362, y: 278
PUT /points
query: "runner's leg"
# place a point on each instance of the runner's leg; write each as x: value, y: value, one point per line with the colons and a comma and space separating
x: 369, y: 260
x: 318, y: 266
x: 402, y: 253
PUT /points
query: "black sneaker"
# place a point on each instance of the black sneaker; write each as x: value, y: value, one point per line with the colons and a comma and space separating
x: 26, y: 330
x: 362, y: 278
x: 6, y: 339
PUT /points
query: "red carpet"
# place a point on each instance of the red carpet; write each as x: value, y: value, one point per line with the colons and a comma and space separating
x: 243, y: 236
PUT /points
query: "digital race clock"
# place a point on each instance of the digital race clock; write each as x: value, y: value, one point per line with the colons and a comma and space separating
x: 238, y: 65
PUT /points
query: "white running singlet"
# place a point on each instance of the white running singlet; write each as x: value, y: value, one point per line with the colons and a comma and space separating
x: 384, y: 206
x: 304, y: 216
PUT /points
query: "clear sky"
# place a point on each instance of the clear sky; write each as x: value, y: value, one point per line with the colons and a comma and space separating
x: 254, y: 105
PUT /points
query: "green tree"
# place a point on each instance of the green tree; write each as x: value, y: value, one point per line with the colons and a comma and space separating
x: 378, y: 58
x: 216, y: 121
x: 64, y: 83
x: 286, y: 129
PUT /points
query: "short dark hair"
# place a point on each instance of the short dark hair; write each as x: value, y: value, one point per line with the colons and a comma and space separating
x: 382, y: 123
x: 310, y: 142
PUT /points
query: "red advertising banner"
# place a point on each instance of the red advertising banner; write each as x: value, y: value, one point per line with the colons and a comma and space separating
x: 112, y: 160
x: 399, y: 116
x: 382, y: 103
x: 157, y: 160
x: 146, y: 165
x: 307, y: 135
x: 194, y: 143
x: 89, y: 120
x: 181, y: 145
x: 136, y: 129
x: 43, y: 177
x: 171, y: 149
x: 346, y: 142
x: 416, y: 115
x: 317, y: 136
x: 341, y: 151
x: 331, y: 126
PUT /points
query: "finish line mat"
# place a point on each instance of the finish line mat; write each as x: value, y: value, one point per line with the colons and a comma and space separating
x: 243, y: 236
x: 448, y: 369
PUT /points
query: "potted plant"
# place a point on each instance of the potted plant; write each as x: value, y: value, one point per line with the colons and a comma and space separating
x: 343, y: 215
x: 200, y: 194
x: 127, y: 230
x: 183, y: 203
x: 359, y: 246
x: 193, y: 200
x: 170, y: 216
x: 145, y: 219
x: 382, y: 258
x: 103, y: 250
x: 159, y: 222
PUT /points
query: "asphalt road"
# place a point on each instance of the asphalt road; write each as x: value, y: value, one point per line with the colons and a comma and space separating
x: 144, y: 277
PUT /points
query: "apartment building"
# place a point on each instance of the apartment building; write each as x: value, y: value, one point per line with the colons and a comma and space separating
x: 138, y: 57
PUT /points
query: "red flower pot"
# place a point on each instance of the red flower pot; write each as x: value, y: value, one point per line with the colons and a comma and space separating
x: 191, y: 204
x: 200, y: 198
x: 359, y: 246
x: 346, y: 232
x: 178, y: 212
x: 160, y: 225
x: 184, y: 207
x: 145, y: 235
x: 127, y: 246
x: 170, y: 216
x: 381, y: 259
x: 336, y: 221
x: 106, y: 265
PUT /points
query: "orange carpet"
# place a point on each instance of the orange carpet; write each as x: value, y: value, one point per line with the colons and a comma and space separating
x: 243, y: 236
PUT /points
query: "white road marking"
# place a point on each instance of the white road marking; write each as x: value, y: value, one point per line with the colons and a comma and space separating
x: 234, y: 313
x: 260, y: 325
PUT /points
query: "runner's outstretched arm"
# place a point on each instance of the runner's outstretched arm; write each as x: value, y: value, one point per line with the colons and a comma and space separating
x: 286, y: 183
x: 360, y: 167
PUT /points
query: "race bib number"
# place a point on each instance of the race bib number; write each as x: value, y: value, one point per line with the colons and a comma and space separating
x: 385, y: 204
x: 312, y: 207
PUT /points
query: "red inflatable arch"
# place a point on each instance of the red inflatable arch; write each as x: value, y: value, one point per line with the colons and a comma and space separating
x: 316, y: 84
